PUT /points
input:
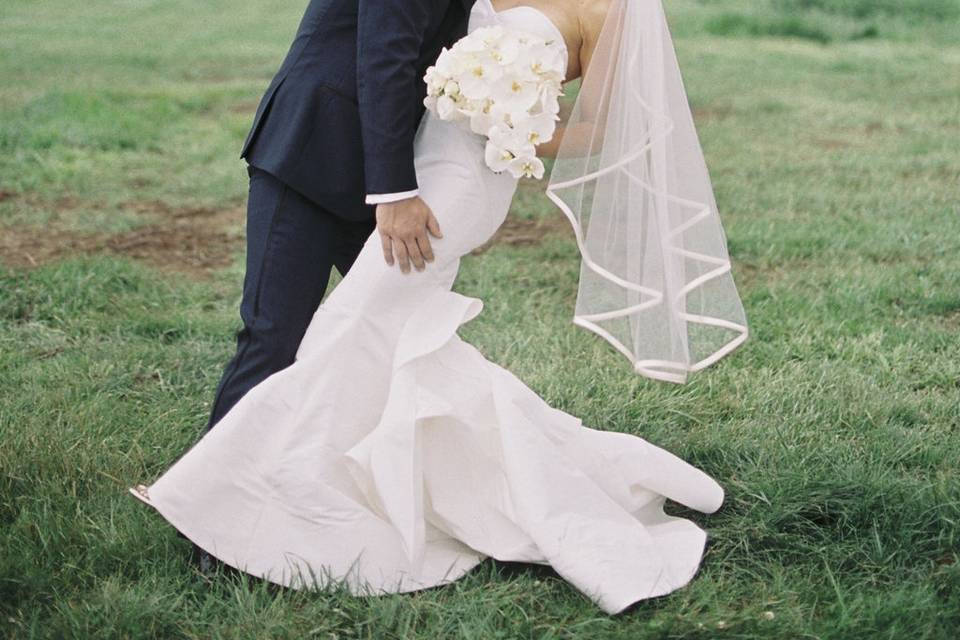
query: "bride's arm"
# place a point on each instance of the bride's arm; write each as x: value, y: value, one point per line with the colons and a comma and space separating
x: 580, y: 134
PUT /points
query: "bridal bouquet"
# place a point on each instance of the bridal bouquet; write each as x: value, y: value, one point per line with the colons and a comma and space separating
x: 504, y: 84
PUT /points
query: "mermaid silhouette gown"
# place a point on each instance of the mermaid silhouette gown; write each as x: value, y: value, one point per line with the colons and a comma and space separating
x: 392, y: 456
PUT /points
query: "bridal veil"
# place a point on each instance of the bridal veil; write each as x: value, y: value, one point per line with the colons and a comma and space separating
x: 630, y: 175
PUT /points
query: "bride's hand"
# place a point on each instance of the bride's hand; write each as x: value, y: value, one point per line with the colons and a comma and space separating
x: 403, y: 227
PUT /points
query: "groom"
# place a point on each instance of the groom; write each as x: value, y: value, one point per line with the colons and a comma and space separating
x: 330, y: 159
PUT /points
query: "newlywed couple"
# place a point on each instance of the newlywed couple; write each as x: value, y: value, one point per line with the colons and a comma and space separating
x: 360, y: 441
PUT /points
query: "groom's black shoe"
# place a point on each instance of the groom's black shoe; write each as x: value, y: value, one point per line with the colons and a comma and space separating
x: 205, y: 563
x: 202, y: 561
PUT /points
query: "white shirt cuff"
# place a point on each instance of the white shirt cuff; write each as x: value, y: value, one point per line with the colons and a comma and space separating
x: 379, y: 198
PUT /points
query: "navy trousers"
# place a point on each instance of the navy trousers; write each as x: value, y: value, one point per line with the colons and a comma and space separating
x: 292, y: 245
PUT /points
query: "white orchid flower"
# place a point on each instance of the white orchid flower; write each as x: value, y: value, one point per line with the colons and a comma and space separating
x: 431, y: 77
x: 537, y: 129
x: 446, y: 108
x: 451, y: 88
x: 506, y: 51
x: 513, y: 94
x: 489, y: 36
x: 497, y: 158
x: 485, y: 116
x: 476, y: 80
x: 548, y: 101
x: 526, y: 167
x: 511, y: 139
x: 449, y: 64
x: 471, y: 43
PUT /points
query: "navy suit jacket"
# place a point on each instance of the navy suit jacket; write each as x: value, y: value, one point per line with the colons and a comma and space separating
x: 339, y: 118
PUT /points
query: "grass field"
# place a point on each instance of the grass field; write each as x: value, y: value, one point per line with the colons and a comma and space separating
x: 832, y: 130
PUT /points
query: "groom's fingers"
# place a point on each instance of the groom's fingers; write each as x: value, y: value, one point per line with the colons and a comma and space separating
x: 387, y: 248
x: 433, y: 226
x: 400, y: 248
x: 415, y: 255
x: 423, y: 243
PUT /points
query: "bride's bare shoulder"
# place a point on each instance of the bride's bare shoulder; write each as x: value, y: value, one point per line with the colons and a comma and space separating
x: 592, y: 13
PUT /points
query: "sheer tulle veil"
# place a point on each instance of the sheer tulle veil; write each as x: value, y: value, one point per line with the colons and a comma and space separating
x: 630, y: 175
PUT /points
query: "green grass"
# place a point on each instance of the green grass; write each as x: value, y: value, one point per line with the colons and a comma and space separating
x: 907, y: 9
x: 835, y: 430
x: 825, y: 21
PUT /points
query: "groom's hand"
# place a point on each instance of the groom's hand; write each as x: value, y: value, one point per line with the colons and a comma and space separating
x: 403, y: 227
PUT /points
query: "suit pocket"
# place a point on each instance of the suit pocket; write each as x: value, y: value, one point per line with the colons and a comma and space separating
x: 340, y: 93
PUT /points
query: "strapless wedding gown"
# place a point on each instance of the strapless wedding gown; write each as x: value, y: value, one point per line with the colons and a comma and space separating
x: 392, y: 456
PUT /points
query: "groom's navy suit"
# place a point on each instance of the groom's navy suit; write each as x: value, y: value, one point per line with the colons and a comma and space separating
x: 339, y: 118
x: 336, y: 124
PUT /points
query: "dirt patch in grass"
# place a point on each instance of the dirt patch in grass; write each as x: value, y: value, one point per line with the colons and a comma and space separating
x: 516, y: 231
x: 702, y: 114
x: 951, y: 321
x: 246, y: 107
x: 193, y: 241
x: 831, y: 144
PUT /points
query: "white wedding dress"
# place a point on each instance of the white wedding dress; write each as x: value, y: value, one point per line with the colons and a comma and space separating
x: 392, y: 456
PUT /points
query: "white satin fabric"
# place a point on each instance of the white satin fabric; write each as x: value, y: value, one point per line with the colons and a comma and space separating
x: 392, y: 456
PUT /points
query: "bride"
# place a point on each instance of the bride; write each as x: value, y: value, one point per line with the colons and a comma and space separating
x: 391, y: 455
